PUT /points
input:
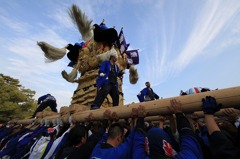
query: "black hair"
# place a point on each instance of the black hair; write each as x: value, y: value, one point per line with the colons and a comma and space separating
x: 62, y: 129
x: 76, y: 134
x: 115, y: 130
x: 111, y: 56
x: 205, y: 89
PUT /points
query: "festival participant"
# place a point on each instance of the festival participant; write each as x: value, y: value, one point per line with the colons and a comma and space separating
x: 107, y: 82
x: 140, y: 141
x: 79, y: 142
x: 45, y: 101
x: 160, y: 147
x: 113, y: 144
x: 220, y: 146
x: 147, y: 94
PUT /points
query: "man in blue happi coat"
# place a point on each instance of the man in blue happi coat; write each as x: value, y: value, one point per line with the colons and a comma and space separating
x: 45, y: 101
x: 147, y: 94
x: 107, y: 82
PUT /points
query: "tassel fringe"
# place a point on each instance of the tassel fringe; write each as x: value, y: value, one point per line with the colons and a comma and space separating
x: 133, y: 75
x: 81, y: 20
x: 50, y: 52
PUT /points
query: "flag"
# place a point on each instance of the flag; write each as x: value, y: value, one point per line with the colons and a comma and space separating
x: 132, y: 57
x: 122, y: 44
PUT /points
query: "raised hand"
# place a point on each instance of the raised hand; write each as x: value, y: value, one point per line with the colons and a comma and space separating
x: 89, y: 118
x: 194, y: 116
x: 209, y: 105
x: 141, y: 111
x: 107, y: 114
x: 114, y: 117
x: 134, y: 113
x: 162, y: 118
x: 175, y: 106
x: 233, y: 114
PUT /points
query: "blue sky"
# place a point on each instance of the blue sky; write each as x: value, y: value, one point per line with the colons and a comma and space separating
x: 182, y: 44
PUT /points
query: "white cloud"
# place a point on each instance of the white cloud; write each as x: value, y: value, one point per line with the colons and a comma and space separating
x: 231, y: 41
x: 213, y: 18
x: 24, y: 60
x: 236, y: 30
x: 60, y: 15
x: 211, y: 21
x: 13, y: 24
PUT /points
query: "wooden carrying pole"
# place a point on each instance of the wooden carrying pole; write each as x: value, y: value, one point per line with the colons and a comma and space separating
x: 200, y: 114
x: 229, y: 97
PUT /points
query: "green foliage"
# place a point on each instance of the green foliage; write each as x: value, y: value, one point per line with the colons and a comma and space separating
x: 16, y: 102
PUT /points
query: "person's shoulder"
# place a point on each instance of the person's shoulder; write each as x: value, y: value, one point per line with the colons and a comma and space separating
x: 106, y: 62
x: 144, y: 89
x: 67, y: 150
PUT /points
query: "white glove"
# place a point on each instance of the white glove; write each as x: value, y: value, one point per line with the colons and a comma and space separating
x: 102, y: 74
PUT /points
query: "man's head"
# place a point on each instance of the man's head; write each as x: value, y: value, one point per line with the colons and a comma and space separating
x: 77, y: 135
x: 113, y: 58
x: 115, y: 134
x: 159, y: 144
x: 52, y: 132
x: 147, y: 84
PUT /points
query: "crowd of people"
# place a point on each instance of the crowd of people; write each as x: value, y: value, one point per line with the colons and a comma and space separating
x: 173, y: 136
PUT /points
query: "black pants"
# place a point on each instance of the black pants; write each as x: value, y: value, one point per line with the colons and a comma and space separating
x: 44, y: 105
x: 102, y: 93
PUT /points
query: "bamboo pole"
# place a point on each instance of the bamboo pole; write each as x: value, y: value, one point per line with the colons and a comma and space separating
x: 24, y: 121
x: 229, y: 97
x: 200, y: 114
x: 152, y: 118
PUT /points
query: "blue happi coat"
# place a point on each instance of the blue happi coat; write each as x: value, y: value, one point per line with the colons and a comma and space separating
x: 106, y: 68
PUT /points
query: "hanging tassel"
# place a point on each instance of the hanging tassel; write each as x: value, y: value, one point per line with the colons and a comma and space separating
x: 133, y: 75
x: 72, y: 75
x: 82, y: 22
x: 50, y: 52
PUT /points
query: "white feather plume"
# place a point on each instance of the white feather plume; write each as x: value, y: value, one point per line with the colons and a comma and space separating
x: 71, y: 76
x: 82, y: 22
x: 50, y: 52
x: 133, y: 75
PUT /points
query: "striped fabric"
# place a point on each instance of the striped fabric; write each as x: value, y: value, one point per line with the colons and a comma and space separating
x: 194, y: 90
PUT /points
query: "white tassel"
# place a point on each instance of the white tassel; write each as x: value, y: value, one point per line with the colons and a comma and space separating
x: 71, y: 76
x: 133, y: 75
x: 50, y: 52
x: 82, y: 22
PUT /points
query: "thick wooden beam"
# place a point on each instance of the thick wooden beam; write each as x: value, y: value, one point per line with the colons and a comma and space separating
x: 229, y: 97
x: 200, y: 114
